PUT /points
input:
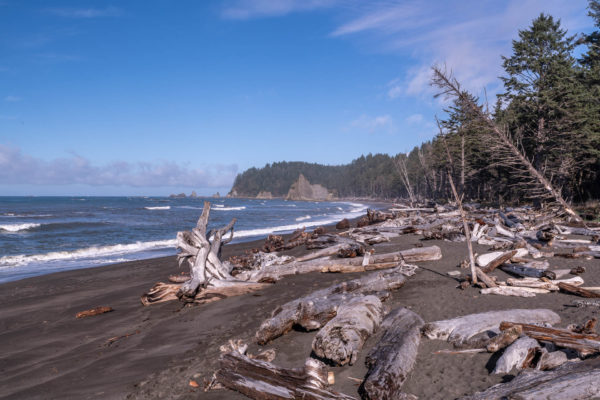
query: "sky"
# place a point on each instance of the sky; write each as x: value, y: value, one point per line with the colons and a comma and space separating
x: 147, y: 97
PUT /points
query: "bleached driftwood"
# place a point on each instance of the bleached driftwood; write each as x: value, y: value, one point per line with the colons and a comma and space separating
x: 342, y: 338
x: 162, y: 292
x: 315, y: 309
x: 378, y: 261
x: 518, y: 355
x: 514, y: 291
x: 584, y: 343
x: 543, y: 284
x: 550, y: 360
x: 573, y: 380
x: 263, y: 380
x: 459, y: 330
x: 393, y: 357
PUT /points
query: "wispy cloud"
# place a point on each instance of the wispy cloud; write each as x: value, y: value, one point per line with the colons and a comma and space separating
x: 86, y: 12
x: 19, y: 168
x: 374, y: 124
x: 246, y: 9
x: 12, y: 99
x: 468, y: 37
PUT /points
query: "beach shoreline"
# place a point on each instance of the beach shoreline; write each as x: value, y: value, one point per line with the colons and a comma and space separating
x: 153, y: 352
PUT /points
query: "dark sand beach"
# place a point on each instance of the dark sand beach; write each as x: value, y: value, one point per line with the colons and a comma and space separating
x: 46, y: 353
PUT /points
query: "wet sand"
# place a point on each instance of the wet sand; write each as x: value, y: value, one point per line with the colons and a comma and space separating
x: 46, y: 353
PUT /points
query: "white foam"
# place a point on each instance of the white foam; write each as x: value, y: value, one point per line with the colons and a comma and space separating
x: 219, y: 205
x: 17, y: 227
x: 158, y: 208
x: 303, y: 218
x: 229, y: 208
x: 88, y: 252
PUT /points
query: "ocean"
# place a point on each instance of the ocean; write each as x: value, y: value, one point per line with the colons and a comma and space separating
x: 41, y: 235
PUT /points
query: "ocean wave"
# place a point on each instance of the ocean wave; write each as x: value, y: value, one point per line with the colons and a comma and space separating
x: 88, y: 252
x: 303, y: 218
x: 219, y: 205
x: 229, y: 208
x: 18, y: 227
x: 158, y: 208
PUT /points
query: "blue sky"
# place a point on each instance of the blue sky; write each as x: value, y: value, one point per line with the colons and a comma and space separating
x: 156, y: 97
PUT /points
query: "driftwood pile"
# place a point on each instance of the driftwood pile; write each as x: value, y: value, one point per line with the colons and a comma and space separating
x: 211, y: 279
x: 549, y: 360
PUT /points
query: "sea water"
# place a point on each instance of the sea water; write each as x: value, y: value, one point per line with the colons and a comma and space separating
x: 41, y: 235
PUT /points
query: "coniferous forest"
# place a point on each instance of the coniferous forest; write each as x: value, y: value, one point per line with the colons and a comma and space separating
x: 548, y: 113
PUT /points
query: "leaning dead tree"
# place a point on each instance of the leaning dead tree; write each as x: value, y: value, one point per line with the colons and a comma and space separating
x: 400, y: 162
x: 510, y: 155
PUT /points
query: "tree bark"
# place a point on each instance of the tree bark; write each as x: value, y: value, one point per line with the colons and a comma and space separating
x: 578, y: 380
x: 393, y: 357
x: 316, y: 309
x: 585, y: 344
x: 459, y: 330
x: 518, y: 355
x: 342, y: 338
x: 262, y: 380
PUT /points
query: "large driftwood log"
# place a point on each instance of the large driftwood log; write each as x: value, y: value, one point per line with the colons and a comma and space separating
x: 550, y: 360
x: 162, y: 292
x: 518, y: 355
x: 584, y: 343
x: 262, y: 380
x: 315, y: 309
x: 573, y: 380
x: 459, y: 330
x: 392, y: 359
x: 275, y: 271
x: 342, y: 338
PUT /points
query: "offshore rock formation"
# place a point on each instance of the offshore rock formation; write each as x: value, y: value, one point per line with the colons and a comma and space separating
x: 264, y: 195
x: 303, y: 190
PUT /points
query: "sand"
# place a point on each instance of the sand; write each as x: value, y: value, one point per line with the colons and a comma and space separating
x: 46, y: 353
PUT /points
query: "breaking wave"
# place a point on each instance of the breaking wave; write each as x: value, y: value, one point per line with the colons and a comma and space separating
x: 18, y: 227
x: 158, y: 208
x: 88, y: 252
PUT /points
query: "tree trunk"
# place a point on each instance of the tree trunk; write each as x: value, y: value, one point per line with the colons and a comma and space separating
x: 459, y: 330
x: 342, y: 338
x: 578, y: 380
x: 393, y: 357
x: 262, y: 380
x: 315, y: 309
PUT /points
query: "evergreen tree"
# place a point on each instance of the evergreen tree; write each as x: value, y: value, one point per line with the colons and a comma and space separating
x: 543, y: 99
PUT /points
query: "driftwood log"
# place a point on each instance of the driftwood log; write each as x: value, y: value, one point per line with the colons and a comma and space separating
x: 276, y: 270
x: 573, y: 380
x: 583, y: 343
x: 393, y: 357
x: 262, y: 380
x: 459, y: 330
x: 316, y: 309
x: 518, y: 355
x: 342, y: 338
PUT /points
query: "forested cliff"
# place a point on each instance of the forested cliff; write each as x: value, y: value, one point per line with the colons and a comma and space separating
x: 548, y: 112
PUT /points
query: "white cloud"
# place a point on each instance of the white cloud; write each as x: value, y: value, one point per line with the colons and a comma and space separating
x: 19, y: 168
x: 469, y: 37
x: 415, y: 119
x: 12, y: 99
x: 86, y: 12
x: 246, y: 9
x: 374, y: 124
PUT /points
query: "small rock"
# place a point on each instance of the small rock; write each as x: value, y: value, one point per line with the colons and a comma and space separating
x: 343, y: 224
